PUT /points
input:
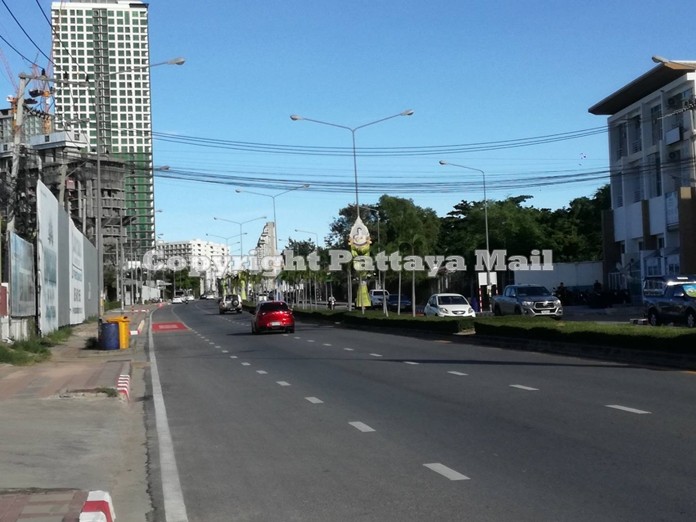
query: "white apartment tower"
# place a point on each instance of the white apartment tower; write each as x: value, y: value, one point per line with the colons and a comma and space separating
x: 102, y: 61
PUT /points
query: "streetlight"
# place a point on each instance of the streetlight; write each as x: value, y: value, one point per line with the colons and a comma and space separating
x: 316, y: 236
x: 240, y: 227
x: 316, y: 246
x: 485, y: 217
x: 297, y: 117
x: 273, y: 197
x: 98, y: 81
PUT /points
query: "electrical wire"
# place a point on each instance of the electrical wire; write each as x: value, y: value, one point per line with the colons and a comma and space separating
x: 269, y: 148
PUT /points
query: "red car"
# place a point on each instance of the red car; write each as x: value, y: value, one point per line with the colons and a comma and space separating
x: 272, y: 315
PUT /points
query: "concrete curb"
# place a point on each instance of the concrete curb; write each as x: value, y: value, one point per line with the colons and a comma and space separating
x: 123, y: 386
x: 98, y: 508
x: 605, y: 353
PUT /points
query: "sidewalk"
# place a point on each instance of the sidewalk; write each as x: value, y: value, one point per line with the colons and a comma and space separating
x: 73, y: 427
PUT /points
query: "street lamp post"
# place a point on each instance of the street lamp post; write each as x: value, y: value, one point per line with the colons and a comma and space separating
x: 297, y: 117
x: 485, y: 218
x: 316, y: 246
x: 273, y: 197
x: 229, y: 252
x: 98, y: 81
x: 241, y: 238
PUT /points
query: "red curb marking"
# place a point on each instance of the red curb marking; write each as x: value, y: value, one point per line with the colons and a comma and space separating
x: 167, y: 327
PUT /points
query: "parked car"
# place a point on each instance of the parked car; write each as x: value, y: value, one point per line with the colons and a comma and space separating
x: 677, y: 304
x: 532, y: 300
x: 448, y: 305
x: 230, y: 303
x: 393, y: 302
x: 377, y: 298
x: 272, y: 315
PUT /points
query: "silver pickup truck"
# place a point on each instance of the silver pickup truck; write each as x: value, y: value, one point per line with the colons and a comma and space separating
x: 534, y: 300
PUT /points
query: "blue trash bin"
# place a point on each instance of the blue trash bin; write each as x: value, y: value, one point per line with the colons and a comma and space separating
x: 108, y: 336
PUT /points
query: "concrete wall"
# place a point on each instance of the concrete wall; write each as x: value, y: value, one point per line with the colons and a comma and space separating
x: 572, y: 275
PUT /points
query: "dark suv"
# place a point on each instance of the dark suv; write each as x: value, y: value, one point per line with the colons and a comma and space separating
x: 230, y: 303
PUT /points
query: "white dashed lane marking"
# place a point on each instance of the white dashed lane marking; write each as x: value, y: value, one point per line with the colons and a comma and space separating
x: 445, y: 471
x: 283, y: 383
x: 458, y: 373
x: 314, y: 400
x: 261, y: 372
x: 348, y: 349
x: 246, y: 364
x: 411, y: 362
x: 526, y: 388
x: 626, y: 408
x: 361, y: 426
x: 375, y: 355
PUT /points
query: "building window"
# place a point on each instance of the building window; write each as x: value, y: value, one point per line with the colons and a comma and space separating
x: 619, y: 141
x: 655, y: 176
x: 656, y: 120
x: 634, y: 135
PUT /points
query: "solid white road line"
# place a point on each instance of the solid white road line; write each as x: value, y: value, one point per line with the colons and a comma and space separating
x: 361, y: 426
x: 283, y: 383
x: 457, y: 373
x: 174, y: 507
x: 520, y: 387
x: 446, y: 472
x: 626, y: 408
x: 314, y: 400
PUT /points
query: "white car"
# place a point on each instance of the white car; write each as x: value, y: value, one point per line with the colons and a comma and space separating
x: 177, y: 299
x: 377, y: 298
x: 449, y: 305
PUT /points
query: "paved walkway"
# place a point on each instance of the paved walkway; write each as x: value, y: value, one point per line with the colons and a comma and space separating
x: 47, y: 441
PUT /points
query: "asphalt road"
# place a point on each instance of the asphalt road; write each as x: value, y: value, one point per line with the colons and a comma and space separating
x: 330, y: 424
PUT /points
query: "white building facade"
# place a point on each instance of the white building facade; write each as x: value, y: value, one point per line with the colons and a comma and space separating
x: 651, y: 227
x: 205, y: 259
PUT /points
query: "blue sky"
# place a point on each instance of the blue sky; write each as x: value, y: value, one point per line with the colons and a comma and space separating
x: 472, y: 72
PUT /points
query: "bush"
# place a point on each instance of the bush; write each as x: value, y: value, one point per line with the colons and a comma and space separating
x: 674, y: 340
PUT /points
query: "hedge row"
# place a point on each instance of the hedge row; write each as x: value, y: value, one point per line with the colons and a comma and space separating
x: 675, y: 340
x: 671, y: 339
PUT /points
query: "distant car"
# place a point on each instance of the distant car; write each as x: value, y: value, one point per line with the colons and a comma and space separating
x: 377, y: 297
x: 449, y: 305
x: 393, y: 302
x: 178, y: 299
x: 230, y: 303
x: 533, y: 300
x: 272, y: 315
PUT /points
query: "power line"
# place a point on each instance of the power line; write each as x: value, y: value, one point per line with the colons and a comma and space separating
x: 25, y: 34
x: 270, y: 148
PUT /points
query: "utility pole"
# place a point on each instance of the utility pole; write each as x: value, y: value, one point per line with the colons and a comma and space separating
x: 16, y: 154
